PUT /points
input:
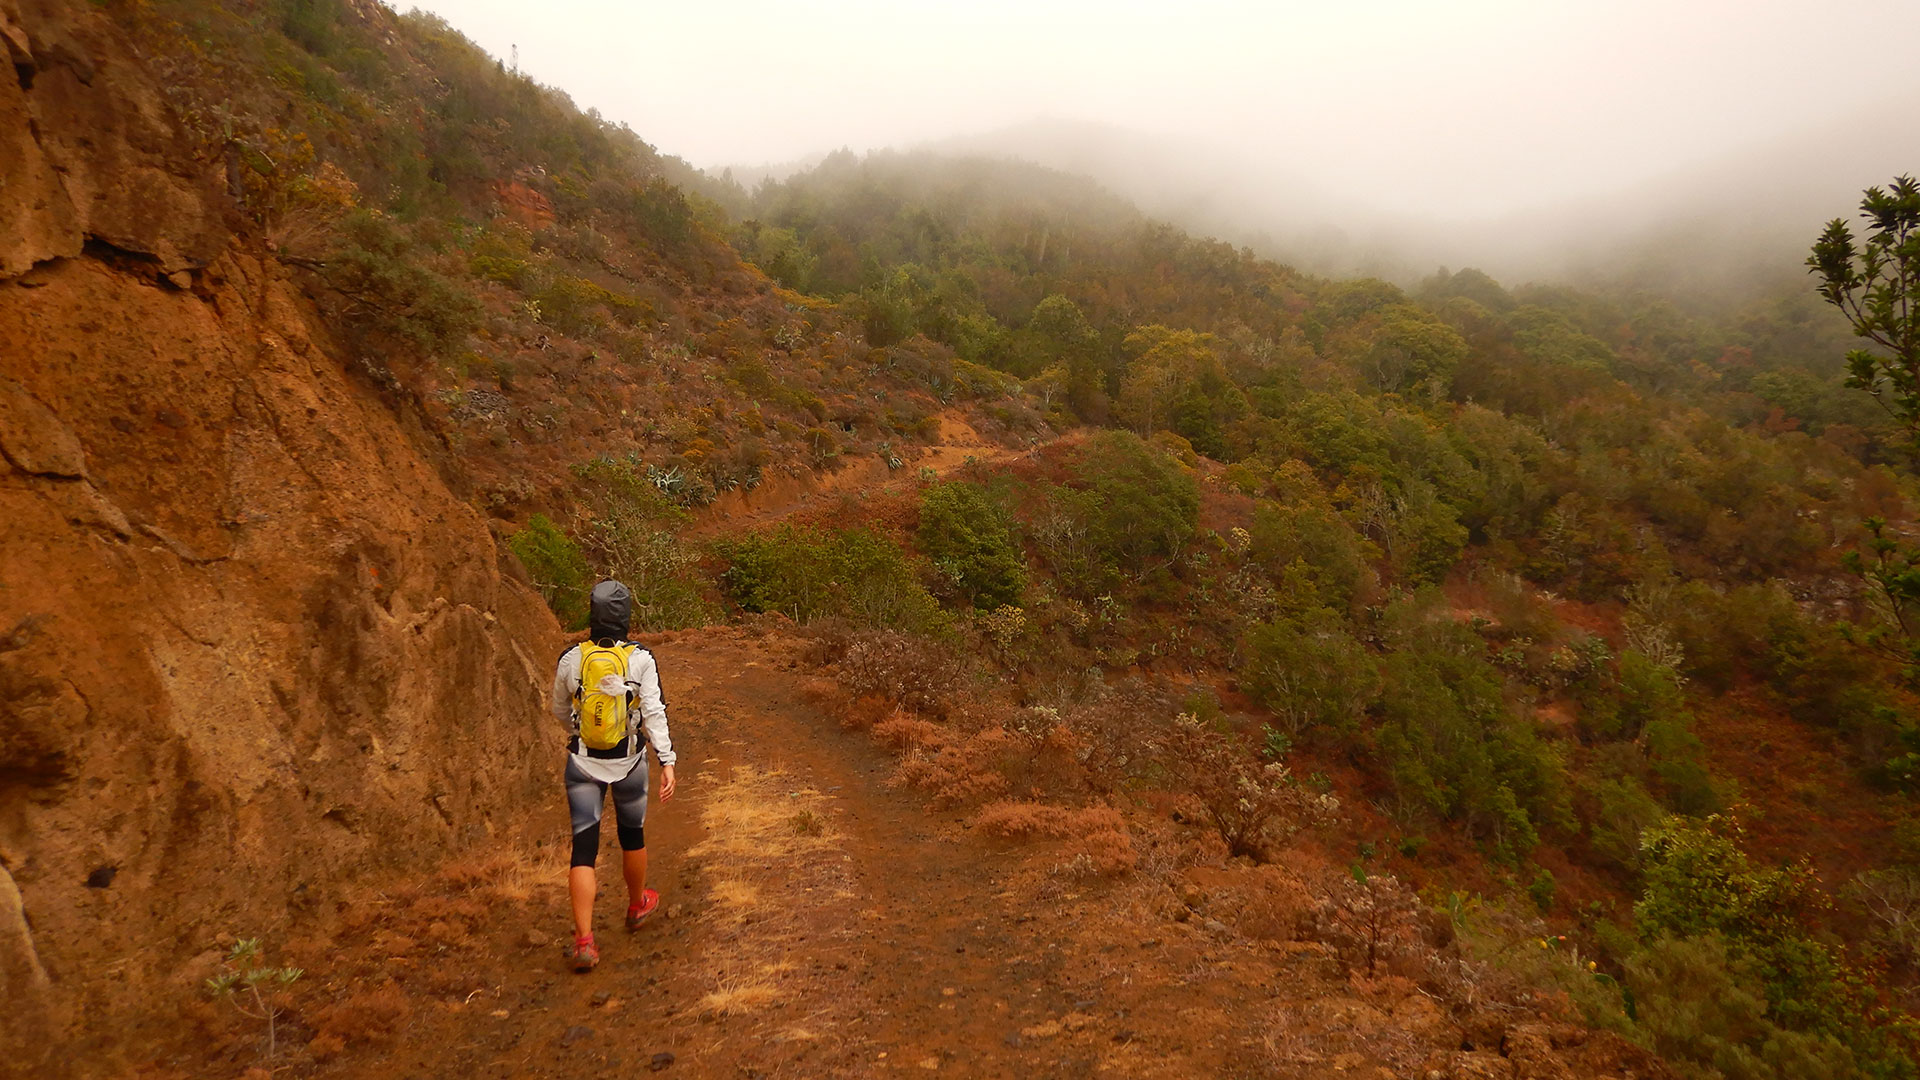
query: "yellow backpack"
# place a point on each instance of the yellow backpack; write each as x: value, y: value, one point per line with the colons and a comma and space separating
x: 603, y: 700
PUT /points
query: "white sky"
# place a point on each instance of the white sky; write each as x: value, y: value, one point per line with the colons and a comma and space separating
x: 1446, y: 108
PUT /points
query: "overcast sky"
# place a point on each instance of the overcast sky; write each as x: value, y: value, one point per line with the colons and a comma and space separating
x: 1445, y: 108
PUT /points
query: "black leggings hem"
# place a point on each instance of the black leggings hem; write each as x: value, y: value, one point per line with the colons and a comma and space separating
x: 586, y: 842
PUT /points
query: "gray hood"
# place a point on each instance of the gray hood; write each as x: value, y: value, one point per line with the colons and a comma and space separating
x: 610, y: 611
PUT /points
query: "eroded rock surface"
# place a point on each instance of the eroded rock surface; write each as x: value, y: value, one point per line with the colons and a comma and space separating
x: 250, y: 643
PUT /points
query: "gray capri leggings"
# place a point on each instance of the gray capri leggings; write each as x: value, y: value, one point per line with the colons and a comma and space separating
x: 586, y: 798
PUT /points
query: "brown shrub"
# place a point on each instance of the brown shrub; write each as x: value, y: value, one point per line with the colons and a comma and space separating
x: 368, y: 1016
x: 1373, y: 919
x: 904, y: 732
x: 1049, y: 764
x: 821, y: 693
x: 1251, y: 805
x: 863, y: 713
x: 1276, y: 906
x: 958, y: 771
x: 1097, y: 835
x: 827, y: 639
x: 1118, y: 733
x: 915, y: 672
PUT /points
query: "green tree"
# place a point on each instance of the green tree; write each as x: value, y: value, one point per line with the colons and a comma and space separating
x: 969, y: 537
x: 1061, y: 332
x: 1414, y: 351
x: 1144, y: 507
x: 1876, y: 283
x: 558, y: 568
x: 1310, y: 672
x: 1700, y: 881
x: 805, y: 573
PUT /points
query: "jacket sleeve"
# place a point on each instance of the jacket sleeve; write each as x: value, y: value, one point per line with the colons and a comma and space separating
x: 645, y: 675
x: 563, y: 679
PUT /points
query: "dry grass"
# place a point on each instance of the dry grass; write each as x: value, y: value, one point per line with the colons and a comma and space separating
x: 750, y: 819
x: 763, y: 836
x: 509, y: 875
x: 743, y: 987
x: 370, y: 1015
x: 1097, y: 838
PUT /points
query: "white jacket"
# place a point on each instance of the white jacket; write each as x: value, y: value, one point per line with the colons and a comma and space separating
x: 643, y: 675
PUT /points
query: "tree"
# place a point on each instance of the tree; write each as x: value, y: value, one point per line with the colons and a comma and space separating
x: 1413, y: 351
x: 1310, y: 672
x: 1876, y: 284
x: 1067, y: 340
x: 967, y: 534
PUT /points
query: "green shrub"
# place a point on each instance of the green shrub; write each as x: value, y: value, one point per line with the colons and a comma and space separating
x: 1451, y: 744
x: 559, y: 569
x: 380, y: 269
x: 1335, y: 557
x: 1129, y: 509
x: 1145, y: 506
x: 969, y: 536
x: 630, y: 537
x: 1701, y: 885
x: 808, y: 573
x: 1702, y: 1006
x: 1310, y: 672
x: 1542, y: 889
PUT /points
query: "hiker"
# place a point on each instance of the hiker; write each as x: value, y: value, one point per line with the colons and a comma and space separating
x: 608, y: 749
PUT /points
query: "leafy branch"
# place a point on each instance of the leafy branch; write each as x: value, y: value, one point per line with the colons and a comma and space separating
x: 247, y: 979
x: 1874, y: 283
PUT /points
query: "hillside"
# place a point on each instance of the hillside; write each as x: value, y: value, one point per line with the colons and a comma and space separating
x: 1366, y: 678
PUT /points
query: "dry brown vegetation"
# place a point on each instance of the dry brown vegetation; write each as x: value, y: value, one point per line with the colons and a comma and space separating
x: 770, y: 851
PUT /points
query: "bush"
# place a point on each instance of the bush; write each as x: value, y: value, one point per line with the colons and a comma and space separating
x: 1708, y: 908
x: 379, y: 269
x: 1249, y: 804
x: 558, y: 568
x: 1130, y: 508
x: 1450, y: 742
x: 912, y: 672
x: 1698, y: 1003
x: 1145, y: 506
x: 1097, y: 835
x: 806, y: 573
x: 1312, y: 536
x: 969, y: 537
x: 629, y: 537
x: 1310, y: 672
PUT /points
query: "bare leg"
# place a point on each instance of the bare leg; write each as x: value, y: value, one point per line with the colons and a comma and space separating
x: 634, y: 865
x: 581, y: 884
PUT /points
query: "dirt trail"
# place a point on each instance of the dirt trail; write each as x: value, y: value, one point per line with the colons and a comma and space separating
x: 779, y: 496
x: 893, y: 942
x: 818, y: 923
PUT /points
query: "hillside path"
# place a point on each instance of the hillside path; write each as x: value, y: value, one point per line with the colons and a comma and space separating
x: 818, y: 922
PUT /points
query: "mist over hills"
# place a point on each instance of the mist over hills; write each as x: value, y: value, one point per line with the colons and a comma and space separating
x: 1720, y: 228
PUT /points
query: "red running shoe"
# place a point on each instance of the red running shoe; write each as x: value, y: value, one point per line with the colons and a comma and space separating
x: 637, y: 914
x: 585, y: 955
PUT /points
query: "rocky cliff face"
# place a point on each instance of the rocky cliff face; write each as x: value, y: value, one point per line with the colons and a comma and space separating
x: 250, y: 643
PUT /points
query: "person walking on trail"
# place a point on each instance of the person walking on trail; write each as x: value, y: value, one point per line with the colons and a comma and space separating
x: 599, y: 686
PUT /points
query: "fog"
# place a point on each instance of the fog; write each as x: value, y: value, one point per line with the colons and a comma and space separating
x: 1534, y: 138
